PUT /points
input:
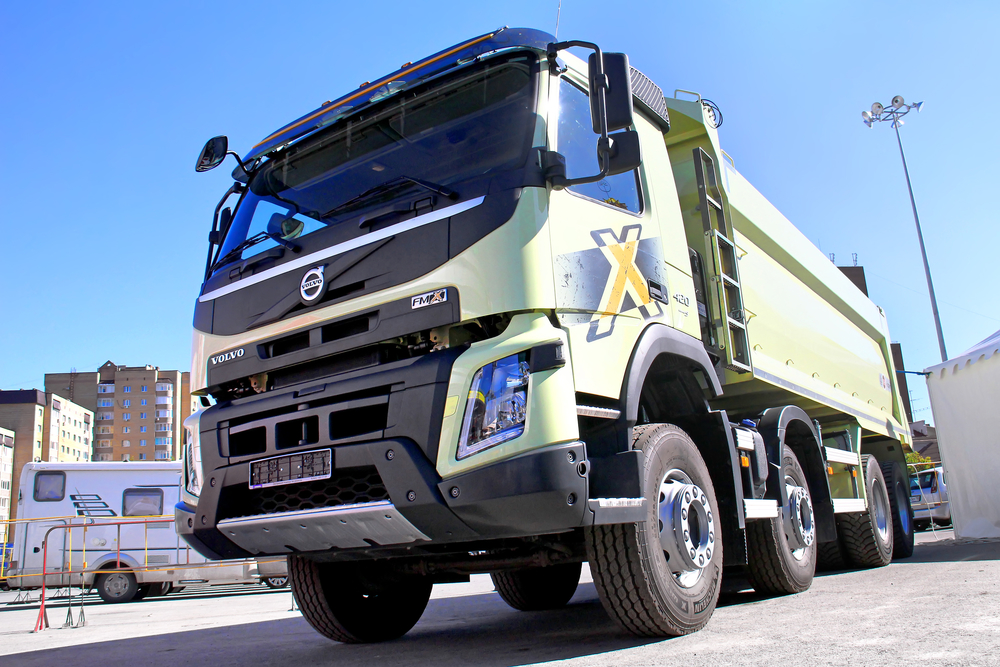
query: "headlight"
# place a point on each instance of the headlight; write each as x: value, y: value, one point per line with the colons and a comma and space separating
x: 192, y: 462
x: 497, y: 405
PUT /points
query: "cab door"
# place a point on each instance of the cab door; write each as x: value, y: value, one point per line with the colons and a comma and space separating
x: 610, y: 272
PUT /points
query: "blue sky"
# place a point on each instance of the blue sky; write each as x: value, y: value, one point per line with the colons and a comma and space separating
x: 106, y: 105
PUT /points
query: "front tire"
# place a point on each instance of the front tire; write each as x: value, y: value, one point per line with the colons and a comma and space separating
x: 867, y: 536
x: 782, y: 551
x: 898, y: 486
x: 354, y: 604
x: 536, y: 588
x: 116, y: 587
x: 661, y: 577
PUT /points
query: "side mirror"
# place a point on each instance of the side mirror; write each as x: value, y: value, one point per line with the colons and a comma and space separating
x: 625, y: 154
x: 224, y: 219
x: 216, y: 236
x: 610, y: 109
x: 617, y: 92
x: 212, y: 154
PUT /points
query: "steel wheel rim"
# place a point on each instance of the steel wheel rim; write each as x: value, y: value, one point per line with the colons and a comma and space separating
x: 880, y: 512
x: 686, y: 527
x: 798, y: 519
x: 904, y: 516
x: 116, y: 585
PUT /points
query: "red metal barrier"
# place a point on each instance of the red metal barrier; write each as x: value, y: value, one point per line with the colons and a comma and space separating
x: 43, y: 619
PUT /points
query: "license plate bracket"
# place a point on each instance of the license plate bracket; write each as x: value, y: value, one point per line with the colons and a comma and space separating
x: 291, y: 468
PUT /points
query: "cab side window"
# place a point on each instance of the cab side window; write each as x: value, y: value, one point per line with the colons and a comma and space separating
x: 578, y: 143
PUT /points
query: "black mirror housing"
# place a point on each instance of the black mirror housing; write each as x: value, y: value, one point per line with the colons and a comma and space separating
x: 625, y: 154
x: 212, y: 154
x: 617, y: 95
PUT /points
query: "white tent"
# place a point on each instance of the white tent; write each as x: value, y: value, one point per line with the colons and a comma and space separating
x: 965, y: 400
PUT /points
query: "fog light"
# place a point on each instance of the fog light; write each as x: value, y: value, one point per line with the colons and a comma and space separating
x: 497, y: 405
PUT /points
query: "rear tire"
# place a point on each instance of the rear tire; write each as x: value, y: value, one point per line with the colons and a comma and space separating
x: 867, y: 536
x: 898, y: 486
x: 536, y: 588
x: 646, y: 583
x: 115, y: 587
x: 830, y: 556
x: 782, y: 551
x: 354, y: 604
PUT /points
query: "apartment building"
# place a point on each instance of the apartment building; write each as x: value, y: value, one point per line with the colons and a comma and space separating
x: 23, y: 412
x: 138, y: 410
x: 69, y: 429
x: 6, y: 480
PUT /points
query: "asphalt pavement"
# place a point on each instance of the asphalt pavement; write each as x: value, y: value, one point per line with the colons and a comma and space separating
x: 940, y: 607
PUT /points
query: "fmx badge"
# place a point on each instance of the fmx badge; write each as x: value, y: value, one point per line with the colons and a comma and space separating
x: 429, y: 298
x: 311, y: 287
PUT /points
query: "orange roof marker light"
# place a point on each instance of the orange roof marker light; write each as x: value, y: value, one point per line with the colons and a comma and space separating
x: 457, y: 55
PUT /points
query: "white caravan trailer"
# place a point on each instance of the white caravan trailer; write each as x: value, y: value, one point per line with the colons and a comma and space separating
x: 123, y: 562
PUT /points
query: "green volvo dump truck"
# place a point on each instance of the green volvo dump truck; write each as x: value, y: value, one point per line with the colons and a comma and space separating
x: 505, y: 310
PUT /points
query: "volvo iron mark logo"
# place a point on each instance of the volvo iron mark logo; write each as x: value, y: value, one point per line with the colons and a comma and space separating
x: 312, y: 286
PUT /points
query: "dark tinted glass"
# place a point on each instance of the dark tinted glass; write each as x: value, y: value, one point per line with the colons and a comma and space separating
x: 475, y: 122
x: 50, y: 486
x: 578, y: 143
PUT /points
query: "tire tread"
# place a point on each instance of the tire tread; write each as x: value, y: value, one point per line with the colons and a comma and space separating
x: 857, y: 533
x: 620, y: 572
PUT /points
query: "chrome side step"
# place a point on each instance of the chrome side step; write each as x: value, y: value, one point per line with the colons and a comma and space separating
x: 600, y: 413
x: 841, y: 456
x: 760, y: 509
x: 843, y: 505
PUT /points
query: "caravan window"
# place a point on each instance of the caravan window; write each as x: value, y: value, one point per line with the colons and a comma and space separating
x: 142, y: 502
x: 50, y: 486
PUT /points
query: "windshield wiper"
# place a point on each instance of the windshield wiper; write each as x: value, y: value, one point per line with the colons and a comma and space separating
x: 252, y: 241
x: 389, y: 185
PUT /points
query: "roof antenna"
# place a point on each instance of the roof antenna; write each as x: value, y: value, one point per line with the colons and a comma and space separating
x: 833, y: 258
x: 854, y: 256
x: 558, y: 12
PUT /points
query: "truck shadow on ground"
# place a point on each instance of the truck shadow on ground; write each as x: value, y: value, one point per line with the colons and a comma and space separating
x: 948, y: 551
x: 474, y: 629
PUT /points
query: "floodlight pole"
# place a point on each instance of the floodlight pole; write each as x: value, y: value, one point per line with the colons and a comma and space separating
x: 895, y: 113
x: 923, y: 251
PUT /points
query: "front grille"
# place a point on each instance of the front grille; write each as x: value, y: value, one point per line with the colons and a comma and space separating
x: 347, y: 486
x: 348, y: 418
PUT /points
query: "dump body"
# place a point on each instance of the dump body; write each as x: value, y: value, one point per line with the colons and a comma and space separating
x: 814, y: 337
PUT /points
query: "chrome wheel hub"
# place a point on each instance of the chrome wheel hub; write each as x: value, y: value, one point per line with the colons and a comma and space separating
x: 800, y: 528
x: 687, y: 527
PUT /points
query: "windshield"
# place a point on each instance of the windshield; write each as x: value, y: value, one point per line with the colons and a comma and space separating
x: 475, y: 122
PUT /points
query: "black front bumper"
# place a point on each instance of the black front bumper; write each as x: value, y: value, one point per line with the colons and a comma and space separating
x: 538, y: 492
